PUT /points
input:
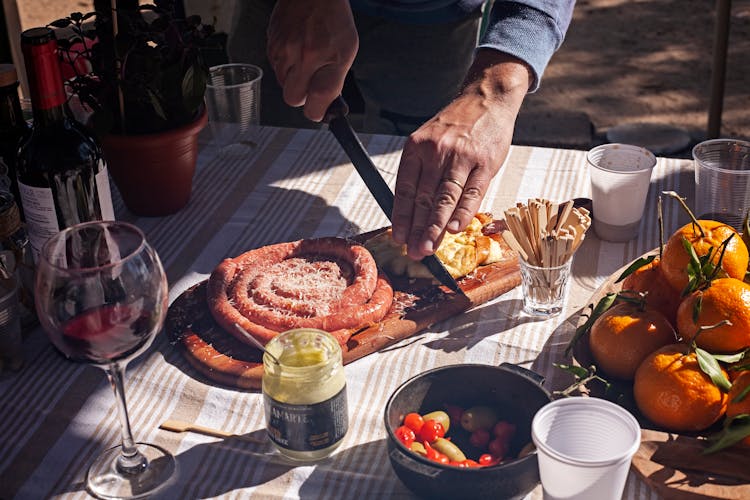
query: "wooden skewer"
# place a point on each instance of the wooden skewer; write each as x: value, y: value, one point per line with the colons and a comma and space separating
x: 513, y: 243
x: 180, y: 426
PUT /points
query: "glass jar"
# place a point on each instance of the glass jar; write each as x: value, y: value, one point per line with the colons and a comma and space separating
x: 304, y: 395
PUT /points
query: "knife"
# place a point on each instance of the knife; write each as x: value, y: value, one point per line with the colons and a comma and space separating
x: 342, y: 130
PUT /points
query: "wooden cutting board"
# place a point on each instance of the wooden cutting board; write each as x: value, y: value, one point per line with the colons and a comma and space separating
x: 673, y: 464
x: 222, y: 358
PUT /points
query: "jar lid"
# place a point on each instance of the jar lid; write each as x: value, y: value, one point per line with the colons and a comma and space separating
x: 8, y: 75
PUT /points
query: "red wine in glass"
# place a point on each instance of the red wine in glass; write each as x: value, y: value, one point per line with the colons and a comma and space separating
x: 105, y: 334
x: 101, y: 296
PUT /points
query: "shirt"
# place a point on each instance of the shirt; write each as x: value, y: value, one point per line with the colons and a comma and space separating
x: 531, y: 30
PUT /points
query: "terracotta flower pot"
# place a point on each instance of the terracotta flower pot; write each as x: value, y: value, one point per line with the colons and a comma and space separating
x: 154, y: 172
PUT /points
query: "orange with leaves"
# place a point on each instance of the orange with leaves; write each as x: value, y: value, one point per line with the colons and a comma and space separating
x: 707, y: 235
x: 625, y: 334
x: 673, y: 392
x: 725, y: 299
x: 660, y: 295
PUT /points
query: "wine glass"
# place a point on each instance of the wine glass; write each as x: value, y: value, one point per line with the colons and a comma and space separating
x: 101, y: 296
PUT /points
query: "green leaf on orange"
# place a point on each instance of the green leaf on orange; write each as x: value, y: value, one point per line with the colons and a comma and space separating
x: 710, y: 366
x: 603, y: 304
x: 637, y: 264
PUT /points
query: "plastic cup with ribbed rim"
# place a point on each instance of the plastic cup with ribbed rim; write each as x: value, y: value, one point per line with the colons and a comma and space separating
x: 233, y: 103
x: 584, y: 446
x: 620, y: 179
x: 722, y: 180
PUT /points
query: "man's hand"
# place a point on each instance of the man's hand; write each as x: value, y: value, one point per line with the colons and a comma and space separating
x: 311, y: 46
x: 448, y: 163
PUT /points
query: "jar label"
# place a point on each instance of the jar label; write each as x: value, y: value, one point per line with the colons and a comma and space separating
x: 307, y: 427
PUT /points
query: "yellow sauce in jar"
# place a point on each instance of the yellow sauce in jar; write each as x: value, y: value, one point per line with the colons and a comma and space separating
x: 305, y: 394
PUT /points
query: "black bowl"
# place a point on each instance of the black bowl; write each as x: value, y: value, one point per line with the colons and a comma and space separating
x: 512, y: 391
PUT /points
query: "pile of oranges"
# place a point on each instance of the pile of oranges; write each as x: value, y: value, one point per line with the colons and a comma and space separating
x: 677, y: 327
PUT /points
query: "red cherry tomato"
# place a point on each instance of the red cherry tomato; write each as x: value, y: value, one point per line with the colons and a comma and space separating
x: 504, y: 430
x: 431, y: 430
x: 462, y: 465
x: 498, y: 448
x: 432, y: 453
x: 471, y: 463
x: 480, y: 438
x: 413, y: 421
x: 486, y: 459
x: 405, y: 435
x: 435, y: 455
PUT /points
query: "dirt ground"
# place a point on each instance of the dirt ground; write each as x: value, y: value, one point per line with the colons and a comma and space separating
x: 623, y: 61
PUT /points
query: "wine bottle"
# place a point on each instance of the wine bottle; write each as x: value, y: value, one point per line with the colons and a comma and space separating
x: 13, y: 127
x: 62, y: 175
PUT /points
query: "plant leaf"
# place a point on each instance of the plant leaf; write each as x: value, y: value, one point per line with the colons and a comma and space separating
x: 731, y: 358
x: 742, y: 367
x: 154, y: 100
x: 60, y: 23
x: 710, y: 366
x: 735, y: 430
x: 603, y: 304
x: 742, y: 395
x: 578, y: 371
x: 639, y: 263
x: 697, y: 308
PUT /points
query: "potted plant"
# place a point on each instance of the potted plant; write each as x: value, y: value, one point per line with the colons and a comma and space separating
x: 141, y: 78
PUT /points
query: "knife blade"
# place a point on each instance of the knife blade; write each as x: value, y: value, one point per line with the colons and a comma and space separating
x: 338, y: 124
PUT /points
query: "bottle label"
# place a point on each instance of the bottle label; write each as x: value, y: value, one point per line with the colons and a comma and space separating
x: 41, y: 218
x: 307, y: 427
x: 105, y: 194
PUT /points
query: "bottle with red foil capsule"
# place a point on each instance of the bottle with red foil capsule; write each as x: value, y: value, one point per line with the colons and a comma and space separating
x: 62, y: 175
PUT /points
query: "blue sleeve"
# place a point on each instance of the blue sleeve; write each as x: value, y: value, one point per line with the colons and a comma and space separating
x: 531, y: 30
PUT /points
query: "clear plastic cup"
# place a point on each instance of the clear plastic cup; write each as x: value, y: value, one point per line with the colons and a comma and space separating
x: 620, y: 178
x: 233, y: 103
x: 722, y: 180
x: 584, y: 446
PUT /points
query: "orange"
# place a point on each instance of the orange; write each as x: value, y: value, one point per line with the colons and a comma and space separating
x: 624, y: 335
x: 675, y: 259
x: 725, y: 298
x: 735, y: 408
x: 661, y: 296
x: 671, y: 390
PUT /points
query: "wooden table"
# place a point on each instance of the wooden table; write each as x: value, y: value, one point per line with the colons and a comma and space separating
x: 55, y: 416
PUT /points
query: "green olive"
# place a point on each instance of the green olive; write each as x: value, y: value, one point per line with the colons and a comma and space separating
x: 449, y: 449
x: 439, y: 416
x: 478, y: 417
x: 418, y: 448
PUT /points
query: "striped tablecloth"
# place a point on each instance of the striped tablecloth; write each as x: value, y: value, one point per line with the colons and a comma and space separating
x: 56, y: 416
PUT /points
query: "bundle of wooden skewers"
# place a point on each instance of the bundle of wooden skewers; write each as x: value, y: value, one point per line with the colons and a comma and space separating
x: 544, y: 233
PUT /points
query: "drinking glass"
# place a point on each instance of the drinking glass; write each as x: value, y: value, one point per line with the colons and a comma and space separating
x: 101, y: 296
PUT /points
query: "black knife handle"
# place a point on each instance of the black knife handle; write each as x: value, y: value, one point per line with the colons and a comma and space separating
x: 337, y: 109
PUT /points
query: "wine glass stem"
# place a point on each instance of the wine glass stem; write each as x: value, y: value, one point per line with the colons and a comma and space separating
x: 130, y: 461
